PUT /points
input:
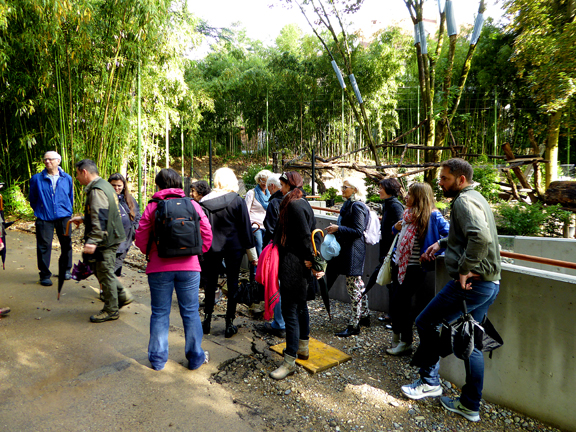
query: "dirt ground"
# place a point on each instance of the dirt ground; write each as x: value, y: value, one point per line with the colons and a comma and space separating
x: 360, y: 395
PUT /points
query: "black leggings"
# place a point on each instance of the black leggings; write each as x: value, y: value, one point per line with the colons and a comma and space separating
x: 210, y: 270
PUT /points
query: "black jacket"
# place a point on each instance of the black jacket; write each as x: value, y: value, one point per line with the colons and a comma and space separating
x: 296, y: 283
x: 230, y: 222
x: 350, y: 235
x: 271, y: 218
x: 130, y: 226
x: 392, y: 211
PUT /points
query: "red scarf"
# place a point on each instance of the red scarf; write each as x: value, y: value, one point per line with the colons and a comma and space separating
x: 406, y: 242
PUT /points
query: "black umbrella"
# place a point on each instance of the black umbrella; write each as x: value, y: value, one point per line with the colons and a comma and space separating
x: 319, y: 264
x: 63, y: 264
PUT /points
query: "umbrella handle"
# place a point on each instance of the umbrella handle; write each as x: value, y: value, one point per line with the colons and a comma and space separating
x: 258, y: 226
x: 313, y: 242
x: 67, y: 233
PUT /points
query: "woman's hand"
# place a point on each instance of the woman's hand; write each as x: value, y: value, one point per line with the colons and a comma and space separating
x: 254, y: 263
x: 398, y: 225
x: 430, y: 253
x: 308, y: 264
x: 317, y: 274
x: 332, y: 229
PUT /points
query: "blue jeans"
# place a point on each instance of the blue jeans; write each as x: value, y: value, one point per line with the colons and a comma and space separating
x: 278, y: 321
x: 161, y: 287
x: 297, y: 325
x: 258, y: 237
x: 447, y: 305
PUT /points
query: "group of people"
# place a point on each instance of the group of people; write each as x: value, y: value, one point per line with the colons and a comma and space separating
x: 276, y: 217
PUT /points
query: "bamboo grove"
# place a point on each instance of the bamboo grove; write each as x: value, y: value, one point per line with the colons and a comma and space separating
x: 69, y: 73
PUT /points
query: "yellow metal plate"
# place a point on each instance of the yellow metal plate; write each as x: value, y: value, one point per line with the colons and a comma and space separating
x: 322, y: 356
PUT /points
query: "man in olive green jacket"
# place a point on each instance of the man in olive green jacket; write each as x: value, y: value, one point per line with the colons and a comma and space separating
x: 102, y: 235
x: 473, y: 261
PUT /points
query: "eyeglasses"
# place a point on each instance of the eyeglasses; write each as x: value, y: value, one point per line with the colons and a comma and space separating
x: 344, y: 187
x: 49, y: 159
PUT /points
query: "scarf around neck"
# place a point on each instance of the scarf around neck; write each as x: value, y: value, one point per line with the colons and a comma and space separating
x: 262, y: 198
x: 406, y: 242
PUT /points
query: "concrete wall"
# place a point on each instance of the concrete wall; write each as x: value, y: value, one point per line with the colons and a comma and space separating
x: 562, y: 249
x: 535, y: 371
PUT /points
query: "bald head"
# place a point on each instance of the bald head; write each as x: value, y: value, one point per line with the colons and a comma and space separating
x: 51, y: 161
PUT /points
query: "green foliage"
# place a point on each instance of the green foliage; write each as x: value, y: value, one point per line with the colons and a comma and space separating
x: 331, y: 193
x: 487, y: 176
x: 248, y: 176
x: 523, y: 219
x: 15, y: 202
x: 307, y: 189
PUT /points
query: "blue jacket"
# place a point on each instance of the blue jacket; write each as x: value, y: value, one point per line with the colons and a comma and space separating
x: 438, y: 228
x: 48, y: 204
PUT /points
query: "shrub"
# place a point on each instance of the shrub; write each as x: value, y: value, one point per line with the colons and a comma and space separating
x: 248, y: 176
x: 15, y: 202
x: 331, y: 193
x: 523, y: 219
x: 487, y: 177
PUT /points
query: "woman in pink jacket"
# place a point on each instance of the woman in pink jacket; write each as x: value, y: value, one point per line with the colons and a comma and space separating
x: 167, y: 274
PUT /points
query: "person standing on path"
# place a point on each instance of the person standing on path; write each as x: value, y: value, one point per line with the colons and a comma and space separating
x: 3, y: 310
x: 103, y: 234
x: 472, y: 259
x: 166, y: 275
x: 52, y: 199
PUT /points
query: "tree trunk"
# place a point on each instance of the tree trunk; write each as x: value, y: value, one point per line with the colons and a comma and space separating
x: 551, y: 153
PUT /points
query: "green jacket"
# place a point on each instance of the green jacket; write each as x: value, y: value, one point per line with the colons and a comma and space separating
x: 472, y: 242
x: 102, y: 219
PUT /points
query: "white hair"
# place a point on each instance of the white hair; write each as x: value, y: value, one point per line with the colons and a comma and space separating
x: 358, y: 184
x: 273, y: 179
x: 225, y: 180
x: 263, y: 173
x: 53, y: 155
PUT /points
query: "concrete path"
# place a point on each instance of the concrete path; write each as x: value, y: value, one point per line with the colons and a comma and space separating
x: 59, y: 372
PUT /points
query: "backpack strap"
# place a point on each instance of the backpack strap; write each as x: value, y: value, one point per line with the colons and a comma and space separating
x: 153, y: 232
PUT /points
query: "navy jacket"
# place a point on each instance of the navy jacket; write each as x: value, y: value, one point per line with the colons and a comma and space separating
x: 48, y: 204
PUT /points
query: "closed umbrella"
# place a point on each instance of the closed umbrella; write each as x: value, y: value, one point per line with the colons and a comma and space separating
x: 62, y: 264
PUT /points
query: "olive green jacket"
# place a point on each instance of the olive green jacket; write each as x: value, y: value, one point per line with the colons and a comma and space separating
x: 472, y: 242
x: 102, y: 219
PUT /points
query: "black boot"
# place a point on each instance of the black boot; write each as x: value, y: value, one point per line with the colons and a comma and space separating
x: 231, y: 329
x: 349, y: 331
x: 206, y: 323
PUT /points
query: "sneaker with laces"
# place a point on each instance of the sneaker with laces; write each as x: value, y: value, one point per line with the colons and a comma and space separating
x: 419, y: 389
x: 455, y: 406
x: 103, y: 316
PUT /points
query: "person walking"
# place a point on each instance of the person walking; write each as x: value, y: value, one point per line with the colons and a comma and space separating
x: 472, y: 259
x: 199, y: 189
x: 232, y: 237
x: 52, y: 199
x: 3, y: 310
x: 421, y: 226
x: 292, y: 237
x: 349, y: 232
x: 103, y: 233
x: 166, y: 275
x: 130, y: 213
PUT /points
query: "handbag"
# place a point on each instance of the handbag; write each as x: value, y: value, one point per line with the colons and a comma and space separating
x: 385, y: 273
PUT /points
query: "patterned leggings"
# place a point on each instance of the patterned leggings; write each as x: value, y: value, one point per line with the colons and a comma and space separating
x: 355, y: 287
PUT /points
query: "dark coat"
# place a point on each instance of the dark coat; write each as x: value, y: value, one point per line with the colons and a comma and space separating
x: 130, y: 226
x: 392, y: 211
x: 271, y: 218
x: 296, y: 281
x: 350, y: 235
x: 228, y: 216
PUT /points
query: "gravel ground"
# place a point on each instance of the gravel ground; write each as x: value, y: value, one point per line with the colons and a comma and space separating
x: 360, y: 395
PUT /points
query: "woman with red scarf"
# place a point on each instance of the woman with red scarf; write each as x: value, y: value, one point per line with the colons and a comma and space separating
x: 421, y: 226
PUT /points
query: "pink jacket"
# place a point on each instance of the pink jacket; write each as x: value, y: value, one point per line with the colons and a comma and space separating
x: 157, y: 264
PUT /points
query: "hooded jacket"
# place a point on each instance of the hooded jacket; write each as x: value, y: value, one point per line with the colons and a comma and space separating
x: 157, y: 264
x: 228, y: 216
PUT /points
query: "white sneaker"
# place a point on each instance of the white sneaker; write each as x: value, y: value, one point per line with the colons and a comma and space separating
x: 401, y: 349
x: 455, y: 406
x: 419, y: 389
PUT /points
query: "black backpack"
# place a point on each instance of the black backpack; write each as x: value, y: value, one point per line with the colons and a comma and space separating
x: 176, y: 229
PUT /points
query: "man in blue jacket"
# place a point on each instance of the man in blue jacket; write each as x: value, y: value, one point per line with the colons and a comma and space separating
x: 52, y: 198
